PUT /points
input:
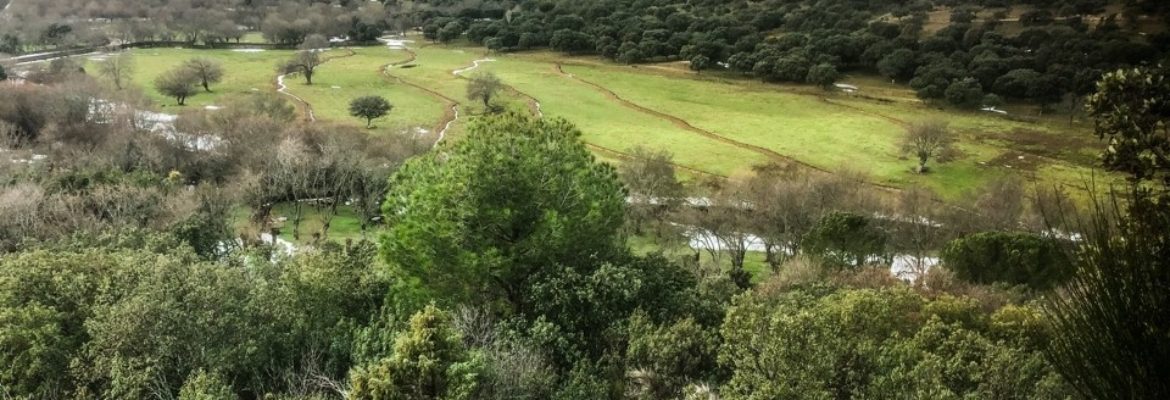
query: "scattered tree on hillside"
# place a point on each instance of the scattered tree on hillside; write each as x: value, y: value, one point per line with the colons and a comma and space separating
x: 178, y: 84
x: 966, y: 93
x: 823, y: 75
x: 484, y: 87
x: 369, y: 108
x: 3, y: 73
x: 450, y: 32
x: 206, y: 70
x: 305, y: 62
x: 118, y: 69
x: 927, y: 140
x: 700, y: 63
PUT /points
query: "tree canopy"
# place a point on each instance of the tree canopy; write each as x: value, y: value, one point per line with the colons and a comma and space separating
x: 516, y: 196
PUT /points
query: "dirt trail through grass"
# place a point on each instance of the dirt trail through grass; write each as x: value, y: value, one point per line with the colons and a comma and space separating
x: 681, y: 123
x: 451, y: 105
x: 306, y: 108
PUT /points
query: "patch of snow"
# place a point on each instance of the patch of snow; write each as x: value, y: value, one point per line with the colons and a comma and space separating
x: 846, y: 87
x: 993, y: 110
x: 395, y: 43
x: 700, y: 239
x: 283, y: 89
x: 443, y: 133
x: 910, y: 268
x: 474, y: 65
x: 212, y: 108
x: 246, y: 50
x: 335, y: 87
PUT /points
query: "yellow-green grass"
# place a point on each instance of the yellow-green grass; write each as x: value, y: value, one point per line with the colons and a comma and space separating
x: 606, y: 123
x: 343, y: 79
x: 345, y: 225
x: 244, y: 73
x: 837, y: 132
x: 253, y: 37
x: 432, y: 70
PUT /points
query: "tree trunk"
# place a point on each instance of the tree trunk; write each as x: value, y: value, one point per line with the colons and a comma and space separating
x: 206, y: 86
x: 297, y: 208
x: 737, y: 257
x: 770, y: 257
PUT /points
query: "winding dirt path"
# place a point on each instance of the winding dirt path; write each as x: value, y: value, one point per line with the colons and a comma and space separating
x: 681, y: 123
x: 303, y: 104
x: 474, y: 65
x: 451, y: 105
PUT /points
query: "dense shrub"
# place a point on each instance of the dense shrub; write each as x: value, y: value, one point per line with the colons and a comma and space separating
x: 1008, y: 257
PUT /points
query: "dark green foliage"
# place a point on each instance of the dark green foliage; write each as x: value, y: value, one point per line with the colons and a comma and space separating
x: 898, y: 65
x: 3, y: 74
x: 571, y: 41
x: 1110, y: 324
x: 820, y: 343
x: 1132, y: 110
x: 429, y: 362
x: 205, y: 386
x: 1008, y: 257
x: 782, y: 41
x: 965, y: 93
x: 842, y: 239
x: 823, y: 75
x: 700, y: 63
x: 369, y: 108
x: 123, y: 317
x: 668, y: 357
x: 451, y: 31
x: 514, y: 198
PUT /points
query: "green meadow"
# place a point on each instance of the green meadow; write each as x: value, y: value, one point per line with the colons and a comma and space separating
x: 714, y: 123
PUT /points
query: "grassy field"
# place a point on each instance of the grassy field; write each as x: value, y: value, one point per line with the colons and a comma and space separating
x: 342, y: 79
x: 245, y: 73
x: 717, y: 123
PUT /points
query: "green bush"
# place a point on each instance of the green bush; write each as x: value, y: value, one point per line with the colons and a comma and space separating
x: 1008, y: 257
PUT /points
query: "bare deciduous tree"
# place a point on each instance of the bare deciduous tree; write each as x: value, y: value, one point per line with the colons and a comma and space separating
x: 178, y: 84
x: 927, y: 140
x: 118, y: 69
x: 304, y: 63
x: 205, y: 70
x: 654, y: 189
x: 484, y: 87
